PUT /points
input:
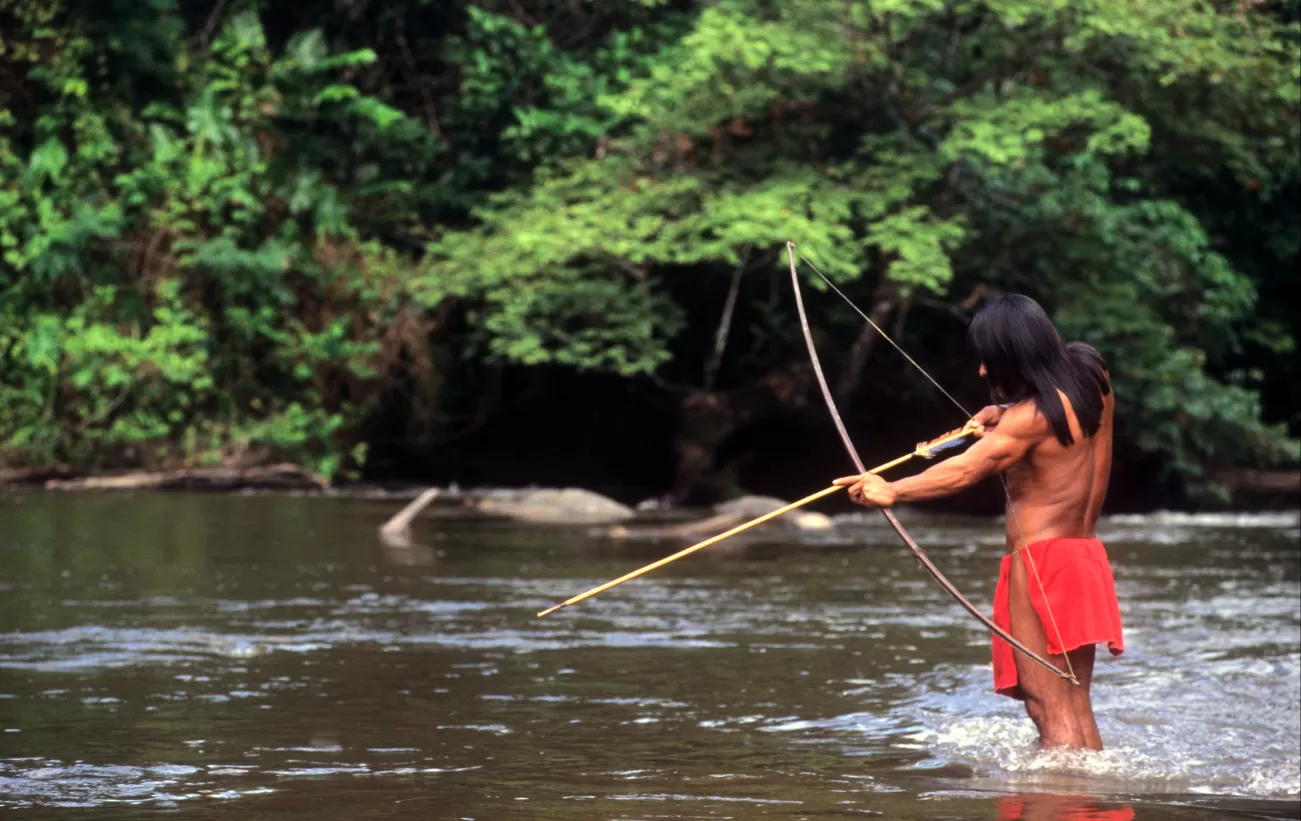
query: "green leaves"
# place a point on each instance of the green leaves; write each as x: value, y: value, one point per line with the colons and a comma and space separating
x: 736, y: 61
x: 584, y: 322
x: 919, y: 245
x: 990, y: 165
x: 242, y: 236
x: 1011, y: 130
x: 43, y: 343
x: 46, y: 162
x: 171, y: 306
x: 308, y: 53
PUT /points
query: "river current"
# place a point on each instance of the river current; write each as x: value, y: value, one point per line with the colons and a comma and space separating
x: 245, y: 656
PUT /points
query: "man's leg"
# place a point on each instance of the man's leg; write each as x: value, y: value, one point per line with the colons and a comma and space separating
x: 1082, y: 662
x: 1049, y: 699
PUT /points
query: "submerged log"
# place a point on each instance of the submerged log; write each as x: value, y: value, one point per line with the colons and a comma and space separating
x: 396, y: 532
x: 1282, y: 482
x: 726, y: 516
x: 33, y: 476
x: 752, y: 507
x: 692, y: 529
x: 281, y: 476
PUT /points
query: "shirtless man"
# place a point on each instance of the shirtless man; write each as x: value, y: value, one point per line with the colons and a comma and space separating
x: 1052, y: 437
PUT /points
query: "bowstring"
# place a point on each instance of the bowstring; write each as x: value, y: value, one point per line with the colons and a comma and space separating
x: 1024, y: 548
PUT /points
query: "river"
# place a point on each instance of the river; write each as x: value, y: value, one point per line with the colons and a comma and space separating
x: 247, y: 656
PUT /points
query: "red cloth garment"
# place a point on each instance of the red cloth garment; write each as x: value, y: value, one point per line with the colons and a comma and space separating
x: 1079, y: 592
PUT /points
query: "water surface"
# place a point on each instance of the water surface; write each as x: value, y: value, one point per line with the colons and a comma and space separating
x: 247, y: 656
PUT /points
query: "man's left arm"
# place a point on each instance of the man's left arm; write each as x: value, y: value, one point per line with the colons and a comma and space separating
x: 1001, y: 448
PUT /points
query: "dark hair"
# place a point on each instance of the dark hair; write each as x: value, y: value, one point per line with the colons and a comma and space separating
x: 1025, y: 358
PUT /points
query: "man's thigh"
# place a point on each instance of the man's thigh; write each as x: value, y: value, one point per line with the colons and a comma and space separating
x: 1036, y: 682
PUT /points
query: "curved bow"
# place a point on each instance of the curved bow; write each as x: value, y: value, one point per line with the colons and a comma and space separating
x: 922, y: 558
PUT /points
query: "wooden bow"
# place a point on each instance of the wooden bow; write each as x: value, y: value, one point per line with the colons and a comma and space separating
x: 922, y: 558
x: 921, y: 452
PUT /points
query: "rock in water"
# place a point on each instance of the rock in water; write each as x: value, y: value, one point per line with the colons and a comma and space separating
x: 570, y: 506
x: 752, y: 507
x: 726, y: 516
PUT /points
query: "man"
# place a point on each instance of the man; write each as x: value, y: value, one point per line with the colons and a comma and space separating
x: 1052, y: 437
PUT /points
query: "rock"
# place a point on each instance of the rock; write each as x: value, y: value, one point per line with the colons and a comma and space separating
x: 564, y: 506
x: 752, y: 507
x: 696, y: 529
x: 727, y: 515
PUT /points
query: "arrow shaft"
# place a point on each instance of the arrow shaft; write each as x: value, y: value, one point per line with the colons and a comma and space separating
x: 713, y: 540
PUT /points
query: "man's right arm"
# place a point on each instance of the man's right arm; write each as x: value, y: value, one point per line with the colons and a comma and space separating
x: 979, y: 424
x: 1018, y: 431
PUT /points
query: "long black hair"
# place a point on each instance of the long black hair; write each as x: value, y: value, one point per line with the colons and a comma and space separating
x: 1025, y: 358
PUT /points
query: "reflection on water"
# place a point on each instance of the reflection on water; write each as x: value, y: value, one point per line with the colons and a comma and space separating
x: 1060, y: 808
x: 247, y: 654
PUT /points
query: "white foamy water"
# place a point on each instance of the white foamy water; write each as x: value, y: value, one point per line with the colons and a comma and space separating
x: 1165, y: 518
x: 1226, y: 727
x: 1206, y: 699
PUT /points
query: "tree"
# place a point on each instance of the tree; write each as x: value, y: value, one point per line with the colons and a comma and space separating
x: 236, y: 229
x: 917, y: 151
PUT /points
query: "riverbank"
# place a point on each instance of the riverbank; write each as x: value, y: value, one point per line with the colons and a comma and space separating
x: 1251, y: 491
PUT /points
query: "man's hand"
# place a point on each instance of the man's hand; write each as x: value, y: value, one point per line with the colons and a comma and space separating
x: 987, y: 417
x: 978, y: 426
x: 868, y: 490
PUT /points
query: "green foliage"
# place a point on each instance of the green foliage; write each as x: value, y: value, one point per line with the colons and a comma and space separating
x: 202, y: 320
x: 931, y: 147
x: 238, y: 234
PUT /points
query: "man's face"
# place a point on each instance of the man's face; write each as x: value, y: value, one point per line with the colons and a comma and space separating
x: 994, y: 392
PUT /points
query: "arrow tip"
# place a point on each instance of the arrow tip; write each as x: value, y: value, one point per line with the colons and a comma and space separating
x: 542, y: 613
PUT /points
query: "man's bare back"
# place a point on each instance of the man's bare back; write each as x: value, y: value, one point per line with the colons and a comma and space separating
x: 1057, y: 490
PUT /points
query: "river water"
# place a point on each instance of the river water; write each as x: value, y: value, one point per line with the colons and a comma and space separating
x: 213, y: 657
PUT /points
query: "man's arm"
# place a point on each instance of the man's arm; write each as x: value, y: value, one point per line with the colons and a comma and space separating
x: 1101, y: 461
x: 1019, y: 430
x: 985, y: 419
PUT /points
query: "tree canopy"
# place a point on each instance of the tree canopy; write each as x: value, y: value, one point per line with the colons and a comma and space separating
x: 240, y: 227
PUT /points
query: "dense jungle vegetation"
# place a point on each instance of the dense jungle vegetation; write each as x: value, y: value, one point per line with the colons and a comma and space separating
x: 520, y: 240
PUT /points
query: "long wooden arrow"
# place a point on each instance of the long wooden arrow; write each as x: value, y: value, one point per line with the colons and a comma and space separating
x: 924, y: 453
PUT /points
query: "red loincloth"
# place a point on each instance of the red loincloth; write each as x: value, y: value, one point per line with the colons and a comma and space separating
x: 1081, y: 591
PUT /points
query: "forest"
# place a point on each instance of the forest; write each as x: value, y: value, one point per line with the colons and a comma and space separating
x: 521, y: 242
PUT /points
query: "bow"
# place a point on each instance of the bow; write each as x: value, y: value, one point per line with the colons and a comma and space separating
x: 922, y: 558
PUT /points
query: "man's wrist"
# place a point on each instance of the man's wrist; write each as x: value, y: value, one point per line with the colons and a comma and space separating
x: 899, y: 491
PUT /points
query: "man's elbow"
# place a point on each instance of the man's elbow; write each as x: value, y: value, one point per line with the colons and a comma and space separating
x: 983, y: 469
x: 958, y: 477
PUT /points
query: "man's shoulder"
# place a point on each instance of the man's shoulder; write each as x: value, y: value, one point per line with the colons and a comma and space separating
x: 1023, y: 420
